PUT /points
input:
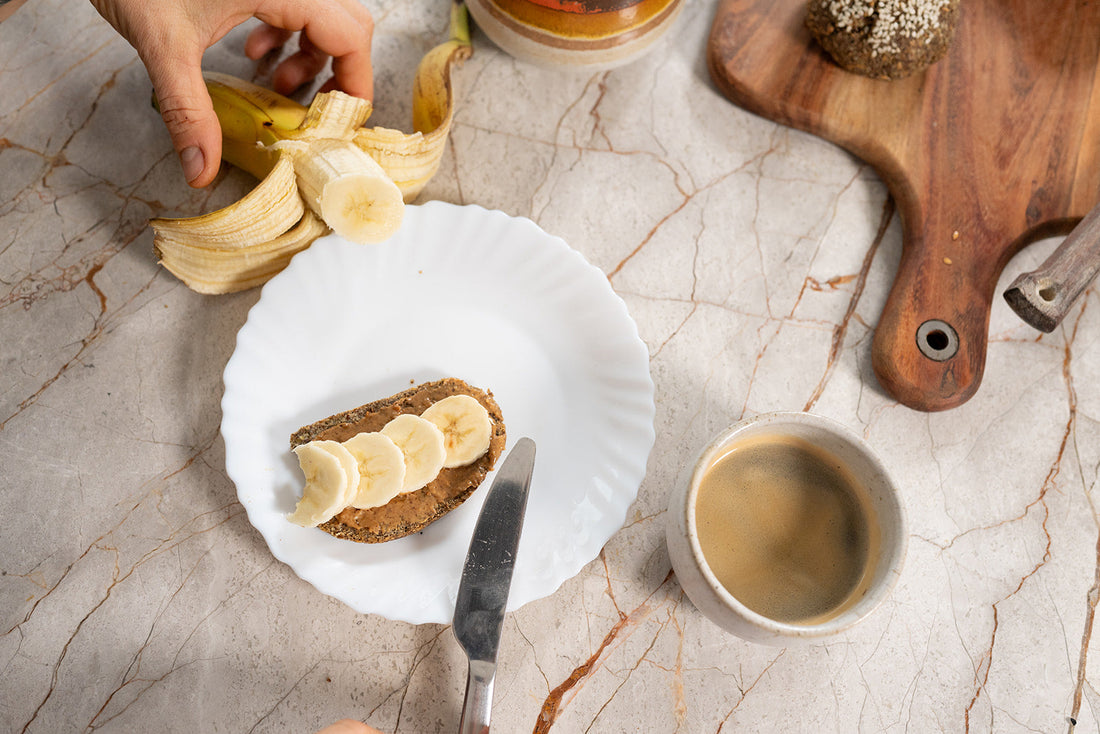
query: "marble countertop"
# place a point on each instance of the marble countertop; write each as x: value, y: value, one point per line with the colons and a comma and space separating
x: 136, y: 596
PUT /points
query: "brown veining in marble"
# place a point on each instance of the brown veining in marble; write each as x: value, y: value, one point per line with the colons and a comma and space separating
x: 1086, y: 640
x: 564, y: 692
x: 156, y: 605
x: 745, y: 690
x: 100, y: 323
x: 1093, y: 595
x: 53, y: 278
x: 860, y: 281
x: 108, y: 543
x: 985, y: 662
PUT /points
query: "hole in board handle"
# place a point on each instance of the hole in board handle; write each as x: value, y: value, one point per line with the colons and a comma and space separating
x: 937, y: 340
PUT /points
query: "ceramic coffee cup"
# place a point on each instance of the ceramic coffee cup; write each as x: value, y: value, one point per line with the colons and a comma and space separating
x: 790, y: 530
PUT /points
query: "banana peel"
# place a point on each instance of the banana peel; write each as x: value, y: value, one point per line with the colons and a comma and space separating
x: 321, y: 170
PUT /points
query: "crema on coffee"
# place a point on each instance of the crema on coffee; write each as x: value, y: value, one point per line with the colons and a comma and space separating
x: 786, y: 529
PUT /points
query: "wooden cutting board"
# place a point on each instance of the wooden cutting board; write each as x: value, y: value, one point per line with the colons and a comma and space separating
x: 993, y: 147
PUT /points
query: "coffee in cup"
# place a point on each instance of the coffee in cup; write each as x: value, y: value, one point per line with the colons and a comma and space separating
x: 790, y: 529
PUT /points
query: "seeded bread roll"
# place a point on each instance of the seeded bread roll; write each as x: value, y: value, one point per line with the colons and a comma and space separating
x: 412, y: 511
x: 884, y: 39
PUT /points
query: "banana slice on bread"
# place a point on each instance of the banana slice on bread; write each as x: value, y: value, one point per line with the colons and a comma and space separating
x: 422, y: 445
x: 332, y: 480
x: 465, y: 426
x: 416, y: 456
x: 381, y: 466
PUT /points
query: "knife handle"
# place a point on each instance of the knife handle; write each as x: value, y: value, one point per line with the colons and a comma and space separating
x: 1043, y: 297
x: 478, y: 704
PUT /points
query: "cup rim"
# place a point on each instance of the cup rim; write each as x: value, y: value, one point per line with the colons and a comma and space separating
x: 892, y: 556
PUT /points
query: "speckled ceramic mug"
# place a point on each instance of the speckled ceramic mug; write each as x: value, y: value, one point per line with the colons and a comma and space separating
x: 880, y: 507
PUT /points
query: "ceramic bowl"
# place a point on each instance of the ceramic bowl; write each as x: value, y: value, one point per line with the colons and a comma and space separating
x: 593, y: 34
x: 717, y: 603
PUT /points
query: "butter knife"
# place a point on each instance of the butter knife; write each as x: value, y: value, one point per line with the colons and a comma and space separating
x: 486, y: 579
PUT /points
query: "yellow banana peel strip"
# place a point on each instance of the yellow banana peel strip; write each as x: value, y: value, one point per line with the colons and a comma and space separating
x: 412, y: 160
x: 264, y: 213
x: 243, y: 245
x: 433, y: 93
x: 332, y: 115
x: 218, y: 271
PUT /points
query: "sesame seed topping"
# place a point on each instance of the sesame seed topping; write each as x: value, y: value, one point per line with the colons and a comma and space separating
x: 885, y: 21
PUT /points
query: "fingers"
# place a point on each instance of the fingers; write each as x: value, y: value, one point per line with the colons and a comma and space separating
x: 188, y: 114
x: 353, y: 73
x: 342, y: 30
x: 299, y: 68
x: 347, y: 726
x: 352, y: 69
x: 264, y: 38
x: 171, y: 45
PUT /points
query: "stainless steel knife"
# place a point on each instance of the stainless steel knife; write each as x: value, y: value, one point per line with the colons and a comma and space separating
x: 486, y: 579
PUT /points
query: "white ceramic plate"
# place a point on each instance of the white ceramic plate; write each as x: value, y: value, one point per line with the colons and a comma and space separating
x: 459, y: 291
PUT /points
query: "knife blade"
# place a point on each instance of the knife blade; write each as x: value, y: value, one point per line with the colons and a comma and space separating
x: 486, y: 579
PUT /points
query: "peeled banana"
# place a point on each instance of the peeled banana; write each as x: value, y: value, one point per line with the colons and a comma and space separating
x: 320, y: 170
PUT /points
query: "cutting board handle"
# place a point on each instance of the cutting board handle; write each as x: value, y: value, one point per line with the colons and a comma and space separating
x: 930, y: 343
x: 985, y: 151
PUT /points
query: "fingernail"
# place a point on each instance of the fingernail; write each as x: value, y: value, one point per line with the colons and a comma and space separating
x: 192, y: 161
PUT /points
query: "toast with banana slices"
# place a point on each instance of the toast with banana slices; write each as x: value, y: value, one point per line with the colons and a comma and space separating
x: 392, y: 467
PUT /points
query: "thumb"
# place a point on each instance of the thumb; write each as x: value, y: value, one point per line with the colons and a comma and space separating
x: 188, y: 114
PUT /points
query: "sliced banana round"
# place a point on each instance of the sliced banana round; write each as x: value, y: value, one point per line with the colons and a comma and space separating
x: 332, y: 480
x: 381, y: 469
x: 466, y: 428
x: 423, y: 448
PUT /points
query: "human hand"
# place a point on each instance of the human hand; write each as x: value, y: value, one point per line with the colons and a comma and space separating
x: 347, y: 726
x: 170, y: 38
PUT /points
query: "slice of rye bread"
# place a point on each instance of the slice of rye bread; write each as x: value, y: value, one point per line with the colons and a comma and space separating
x: 411, y: 511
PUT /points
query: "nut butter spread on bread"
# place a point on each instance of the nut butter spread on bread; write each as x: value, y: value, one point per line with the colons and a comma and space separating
x: 415, y: 507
